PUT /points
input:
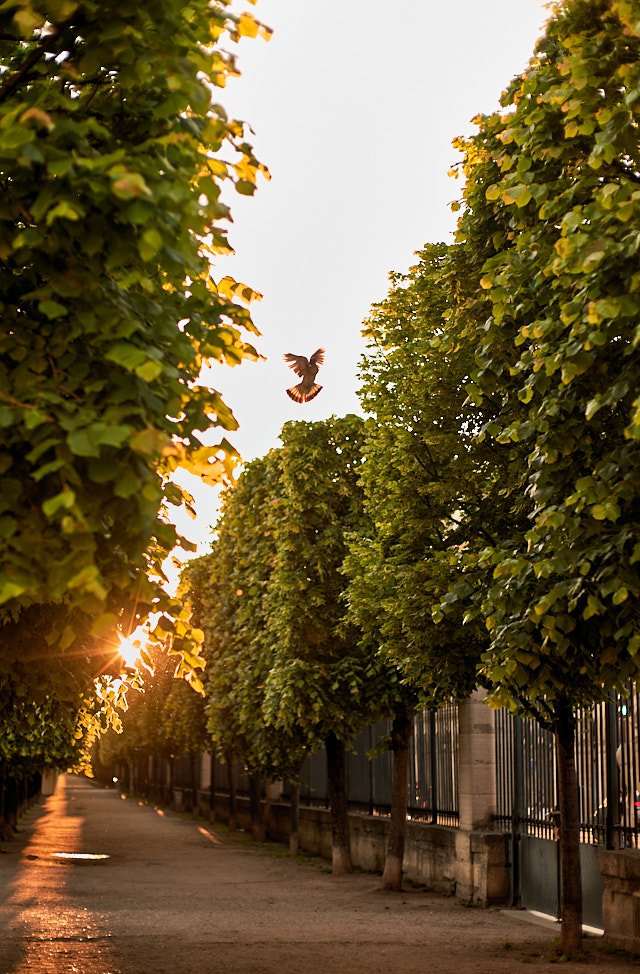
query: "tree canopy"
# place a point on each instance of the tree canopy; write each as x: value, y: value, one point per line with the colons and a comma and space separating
x: 552, y: 185
x: 113, y: 158
x: 552, y: 181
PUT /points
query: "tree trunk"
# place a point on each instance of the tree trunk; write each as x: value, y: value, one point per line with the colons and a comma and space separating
x: 294, y: 830
x: 337, y: 784
x: 12, y: 802
x: 195, y: 789
x: 3, y: 802
x: 212, y: 788
x: 255, y: 801
x: 571, y: 896
x: 400, y: 740
x: 233, y: 803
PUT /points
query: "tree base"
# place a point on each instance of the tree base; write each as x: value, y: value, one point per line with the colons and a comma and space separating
x: 341, y: 862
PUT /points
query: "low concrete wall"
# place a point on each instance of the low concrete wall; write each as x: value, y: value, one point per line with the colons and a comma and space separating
x: 620, y: 870
x: 471, y: 865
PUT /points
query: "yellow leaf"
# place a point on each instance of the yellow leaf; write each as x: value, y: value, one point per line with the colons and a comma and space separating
x: 247, y: 25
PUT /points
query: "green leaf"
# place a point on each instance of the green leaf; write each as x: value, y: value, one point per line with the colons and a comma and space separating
x: 10, y: 590
x: 52, y: 309
x: 82, y: 444
x: 150, y: 370
x: 65, y: 500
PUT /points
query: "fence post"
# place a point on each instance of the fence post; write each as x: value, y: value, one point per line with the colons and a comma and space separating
x: 517, y: 809
x: 433, y: 766
x: 477, y: 767
x: 612, y: 817
x: 481, y: 872
x: 370, y: 768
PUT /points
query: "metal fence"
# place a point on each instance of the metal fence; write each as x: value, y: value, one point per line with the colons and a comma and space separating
x: 432, y: 793
x: 608, y: 768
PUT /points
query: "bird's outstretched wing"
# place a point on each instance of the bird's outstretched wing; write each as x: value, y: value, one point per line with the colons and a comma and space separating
x: 307, y: 369
x: 318, y: 357
x: 299, y: 363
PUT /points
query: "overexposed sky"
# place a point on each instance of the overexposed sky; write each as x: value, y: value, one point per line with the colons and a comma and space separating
x: 353, y: 106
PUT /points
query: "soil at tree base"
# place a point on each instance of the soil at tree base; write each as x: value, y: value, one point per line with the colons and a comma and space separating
x: 173, y: 896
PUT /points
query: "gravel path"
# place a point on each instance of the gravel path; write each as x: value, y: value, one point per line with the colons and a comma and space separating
x: 171, y: 896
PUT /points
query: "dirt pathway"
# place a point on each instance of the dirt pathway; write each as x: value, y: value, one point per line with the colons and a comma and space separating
x: 172, y: 897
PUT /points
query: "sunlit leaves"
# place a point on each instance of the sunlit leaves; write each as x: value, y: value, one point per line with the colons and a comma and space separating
x: 112, y: 161
x: 553, y: 185
x: 428, y: 489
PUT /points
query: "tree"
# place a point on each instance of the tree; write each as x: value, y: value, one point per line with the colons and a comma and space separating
x: 227, y: 591
x: 112, y: 161
x: 431, y: 490
x: 322, y: 684
x: 553, y: 185
x: 164, y: 719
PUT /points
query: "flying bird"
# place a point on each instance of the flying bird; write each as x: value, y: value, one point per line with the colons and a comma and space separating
x: 307, y: 369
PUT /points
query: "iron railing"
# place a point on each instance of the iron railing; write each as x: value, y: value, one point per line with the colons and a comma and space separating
x: 432, y: 792
x: 608, y: 769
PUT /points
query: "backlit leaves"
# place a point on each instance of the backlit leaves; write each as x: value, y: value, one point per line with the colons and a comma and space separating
x: 109, y: 215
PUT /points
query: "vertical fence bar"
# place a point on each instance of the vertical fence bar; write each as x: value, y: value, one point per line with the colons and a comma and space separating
x: 612, y: 810
x: 517, y: 795
x: 433, y: 766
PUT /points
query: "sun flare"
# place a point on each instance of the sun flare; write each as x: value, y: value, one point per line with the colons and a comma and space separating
x: 130, y: 647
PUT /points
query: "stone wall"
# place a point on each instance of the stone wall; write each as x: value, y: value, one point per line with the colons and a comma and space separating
x: 471, y: 865
x: 620, y: 870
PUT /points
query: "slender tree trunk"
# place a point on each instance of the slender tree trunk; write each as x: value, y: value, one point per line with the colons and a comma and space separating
x: 294, y: 811
x: 337, y: 783
x: 195, y: 791
x: 11, y: 807
x: 3, y: 800
x: 564, y: 731
x: 233, y: 802
x: 267, y: 808
x: 400, y: 741
x: 212, y: 788
x: 255, y: 800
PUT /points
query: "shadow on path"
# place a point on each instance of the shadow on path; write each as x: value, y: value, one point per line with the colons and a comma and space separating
x: 100, y: 884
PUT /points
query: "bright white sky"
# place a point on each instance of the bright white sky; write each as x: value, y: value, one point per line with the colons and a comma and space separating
x: 354, y: 107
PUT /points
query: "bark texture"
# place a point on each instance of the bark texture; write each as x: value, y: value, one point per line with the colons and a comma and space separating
x: 294, y: 832
x: 571, y: 933
x: 255, y: 802
x: 400, y: 741
x: 337, y: 786
x: 233, y: 802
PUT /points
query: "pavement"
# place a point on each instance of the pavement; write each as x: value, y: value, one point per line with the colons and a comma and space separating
x: 97, y: 883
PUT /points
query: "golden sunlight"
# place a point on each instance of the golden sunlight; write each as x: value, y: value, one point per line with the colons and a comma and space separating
x: 130, y: 646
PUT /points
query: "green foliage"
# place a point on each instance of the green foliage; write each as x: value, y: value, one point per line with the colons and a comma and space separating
x: 431, y: 487
x: 227, y: 590
x: 284, y: 665
x: 164, y: 718
x: 553, y: 184
x: 113, y: 158
x: 323, y: 681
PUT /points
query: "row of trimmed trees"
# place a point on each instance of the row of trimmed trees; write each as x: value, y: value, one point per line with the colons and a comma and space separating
x: 113, y: 157
x: 481, y: 527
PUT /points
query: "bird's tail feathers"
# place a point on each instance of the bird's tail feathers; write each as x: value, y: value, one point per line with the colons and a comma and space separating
x: 296, y: 393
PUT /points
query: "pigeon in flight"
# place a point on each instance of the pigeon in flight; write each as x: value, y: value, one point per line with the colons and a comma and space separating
x: 307, y: 369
